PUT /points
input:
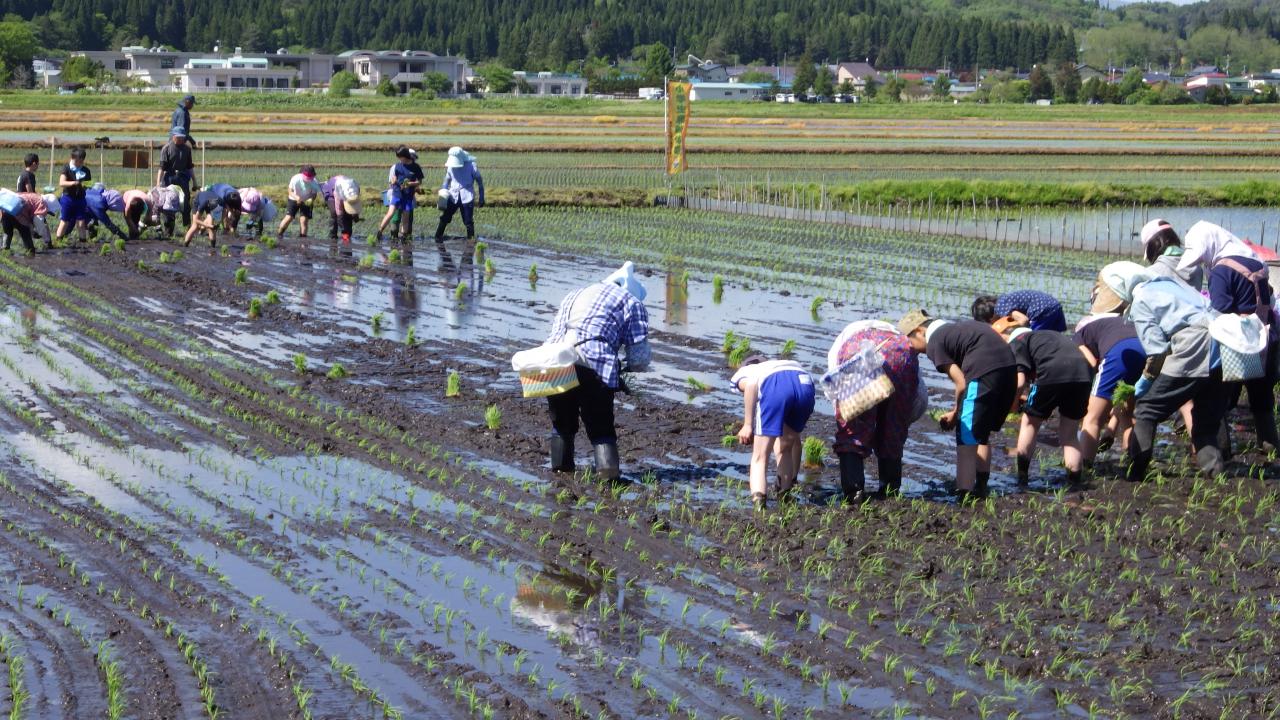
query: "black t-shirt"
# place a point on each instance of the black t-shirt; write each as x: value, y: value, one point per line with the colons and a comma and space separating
x: 973, y: 345
x: 27, y: 182
x: 175, y: 158
x: 1050, y: 357
x: 1099, y: 336
x: 81, y: 174
x: 206, y: 200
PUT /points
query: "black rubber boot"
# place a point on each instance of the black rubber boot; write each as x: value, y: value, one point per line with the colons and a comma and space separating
x: 607, y: 462
x: 1225, y: 451
x: 561, y: 454
x: 1140, y: 451
x: 890, y: 477
x: 1075, y: 480
x: 1024, y: 470
x: 786, y: 490
x: 852, y: 476
x: 1210, y: 460
x: 980, y: 485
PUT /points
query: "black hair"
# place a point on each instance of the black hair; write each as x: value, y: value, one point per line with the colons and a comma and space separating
x: 984, y: 308
x: 233, y: 200
x: 30, y: 159
x: 77, y: 153
x: 309, y: 170
x: 753, y: 360
x: 403, y: 152
x: 1160, y: 242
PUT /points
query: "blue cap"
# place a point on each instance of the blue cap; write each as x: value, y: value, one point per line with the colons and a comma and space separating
x: 177, y: 131
x: 191, y: 98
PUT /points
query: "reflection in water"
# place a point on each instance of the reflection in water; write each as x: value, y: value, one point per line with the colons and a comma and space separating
x: 677, y: 314
x: 404, y: 300
x: 29, y: 317
x: 555, y: 601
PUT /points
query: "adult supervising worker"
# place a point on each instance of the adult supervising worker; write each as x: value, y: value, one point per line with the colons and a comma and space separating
x: 607, y: 321
x: 176, y: 167
x: 465, y: 188
x: 182, y: 115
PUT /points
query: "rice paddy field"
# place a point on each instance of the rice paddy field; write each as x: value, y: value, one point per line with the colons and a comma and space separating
x: 297, y: 479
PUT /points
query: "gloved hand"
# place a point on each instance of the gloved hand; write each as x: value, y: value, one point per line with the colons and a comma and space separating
x: 1141, y: 387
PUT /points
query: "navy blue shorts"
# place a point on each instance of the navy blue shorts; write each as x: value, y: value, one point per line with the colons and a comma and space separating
x: 786, y: 398
x: 1071, y: 400
x: 1124, y: 361
x: 73, y: 209
x: 987, y: 402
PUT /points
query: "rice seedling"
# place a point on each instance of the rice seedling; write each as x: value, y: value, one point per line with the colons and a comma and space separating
x: 696, y: 384
x: 270, y: 242
x: 453, y: 385
x: 273, y: 298
x: 411, y: 336
x: 299, y: 363
x: 375, y: 322
x: 814, y: 452
x: 336, y: 372
x: 489, y: 268
x: 242, y: 275
x: 176, y: 255
x: 740, y: 351
x: 815, y: 306
x: 460, y: 291
x: 788, y: 349
x: 255, y: 308
x: 717, y: 289
x: 251, y: 249
x: 105, y: 250
x: 164, y: 258
x: 366, y: 262
x: 533, y: 274
x: 119, y: 245
x: 493, y: 417
x: 395, y: 257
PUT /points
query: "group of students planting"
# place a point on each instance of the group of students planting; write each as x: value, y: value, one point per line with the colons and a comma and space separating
x: 1185, y: 333
x: 85, y: 206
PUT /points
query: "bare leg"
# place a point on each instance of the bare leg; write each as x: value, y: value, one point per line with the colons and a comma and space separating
x: 789, y: 446
x: 761, y: 448
x: 1069, y: 438
x: 1027, y: 432
x: 967, y: 466
x: 1091, y: 428
x: 1124, y: 422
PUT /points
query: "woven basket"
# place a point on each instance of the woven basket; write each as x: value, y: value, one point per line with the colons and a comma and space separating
x: 544, y: 383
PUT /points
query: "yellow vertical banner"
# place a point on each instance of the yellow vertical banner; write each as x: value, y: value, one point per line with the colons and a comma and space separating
x: 677, y: 125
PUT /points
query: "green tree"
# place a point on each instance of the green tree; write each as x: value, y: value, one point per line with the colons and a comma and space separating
x: 385, y: 88
x: 942, y: 87
x: 342, y: 83
x: 1041, y: 86
x: 892, y: 90
x: 823, y: 82
x: 756, y: 76
x: 17, y: 47
x: 437, y: 82
x: 1066, y: 83
x: 657, y: 62
x: 498, y: 78
x: 80, y: 69
x: 845, y: 87
x: 805, y: 75
x: 871, y: 87
x: 1130, y: 84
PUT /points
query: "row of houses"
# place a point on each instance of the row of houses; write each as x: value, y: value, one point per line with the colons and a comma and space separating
x: 164, y: 70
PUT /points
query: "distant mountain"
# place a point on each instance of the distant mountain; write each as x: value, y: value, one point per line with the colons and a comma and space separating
x: 537, y: 34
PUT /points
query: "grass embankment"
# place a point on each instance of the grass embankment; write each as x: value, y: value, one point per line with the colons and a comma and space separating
x: 1251, y: 193
x: 285, y: 102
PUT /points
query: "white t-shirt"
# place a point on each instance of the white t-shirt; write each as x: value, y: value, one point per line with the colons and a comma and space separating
x: 302, y: 188
x: 761, y: 370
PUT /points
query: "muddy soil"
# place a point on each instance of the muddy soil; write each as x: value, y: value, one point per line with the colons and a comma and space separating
x: 364, y: 546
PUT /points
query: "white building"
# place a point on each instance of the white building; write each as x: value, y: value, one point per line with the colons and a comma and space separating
x: 726, y: 91
x: 233, y: 74
x: 546, y: 83
x: 407, y: 69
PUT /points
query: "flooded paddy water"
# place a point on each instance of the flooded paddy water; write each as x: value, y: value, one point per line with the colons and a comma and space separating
x: 223, y: 530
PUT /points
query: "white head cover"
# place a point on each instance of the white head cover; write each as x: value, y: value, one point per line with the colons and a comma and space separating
x: 1122, y: 277
x: 51, y: 202
x: 1207, y: 243
x: 458, y: 157
x: 1244, y: 334
x: 625, y: 278
x: 1018, y: 332
x: 853, y: 328
x: 1150, y: 229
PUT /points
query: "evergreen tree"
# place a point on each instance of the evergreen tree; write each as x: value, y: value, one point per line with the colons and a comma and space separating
x: 1041, y: 85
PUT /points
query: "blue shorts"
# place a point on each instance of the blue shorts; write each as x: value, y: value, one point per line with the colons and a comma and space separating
x: 987, y: 402
x: 786, y: 398
x: 391, y: 197
x: 73, y: 209
x: 1124, y: 361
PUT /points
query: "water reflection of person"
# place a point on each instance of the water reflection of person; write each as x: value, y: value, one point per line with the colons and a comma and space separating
x: 404, y: 299
x: 555, y: 601
x: 677, y: 299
